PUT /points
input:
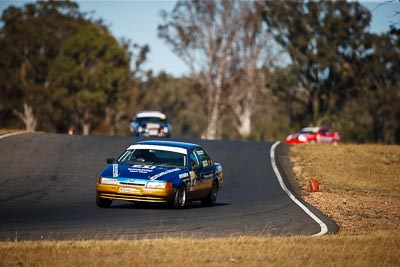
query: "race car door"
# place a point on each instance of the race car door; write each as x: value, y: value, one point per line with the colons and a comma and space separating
x: 194, y: 186
x: 206, y: 172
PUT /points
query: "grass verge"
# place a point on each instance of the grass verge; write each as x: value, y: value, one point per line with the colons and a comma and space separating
x: 359, y: 189
x: 359, y: 184
x: 10, y: 131
x: 380, y: 249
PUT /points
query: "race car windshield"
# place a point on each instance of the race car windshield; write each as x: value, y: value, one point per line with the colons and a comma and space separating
x: 149, y: 119
x: 153, y: 157
x: 306, y: 131
x: 309, y: 130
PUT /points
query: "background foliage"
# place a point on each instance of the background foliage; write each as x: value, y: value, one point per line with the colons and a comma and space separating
x: 268, y: 69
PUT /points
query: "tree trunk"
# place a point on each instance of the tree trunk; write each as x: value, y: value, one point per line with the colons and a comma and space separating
x: 27, y: 117
x: 86, y: 128
x: 212, y: 127
x: 85, y: 123
x: 214, y: 98
x: 244, y: 101
x: 244, y: 127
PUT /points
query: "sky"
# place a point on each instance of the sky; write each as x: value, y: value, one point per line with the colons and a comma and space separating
x: 137, y: 20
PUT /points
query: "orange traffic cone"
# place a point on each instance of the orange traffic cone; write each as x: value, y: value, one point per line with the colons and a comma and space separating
x: 314, y: 185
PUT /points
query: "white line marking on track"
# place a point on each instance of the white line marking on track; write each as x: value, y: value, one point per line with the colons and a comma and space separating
x: 324, y: 228
x: 11, y: 134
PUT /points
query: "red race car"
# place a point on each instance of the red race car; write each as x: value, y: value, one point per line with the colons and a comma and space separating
x: 313, y: 135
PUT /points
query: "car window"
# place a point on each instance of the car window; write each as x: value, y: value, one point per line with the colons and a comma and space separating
x: 194, y: 161
x: 306, y: 131
x: 149, y: 119
x: 204, y: 159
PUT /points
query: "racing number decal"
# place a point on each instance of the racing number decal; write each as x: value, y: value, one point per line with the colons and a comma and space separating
x: 192, y: 181
x: 115, y: 170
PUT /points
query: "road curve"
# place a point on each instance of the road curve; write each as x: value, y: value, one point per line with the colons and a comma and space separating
x: 47, y: 191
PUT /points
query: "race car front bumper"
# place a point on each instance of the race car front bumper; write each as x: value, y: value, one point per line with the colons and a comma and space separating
x: 132, y: 193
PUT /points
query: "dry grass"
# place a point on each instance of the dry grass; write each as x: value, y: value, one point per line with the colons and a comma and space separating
x: 243, y: 251
x: 359, y: 184
x: 350, y: 167
x: 8, y: 131
x: 360, y: 190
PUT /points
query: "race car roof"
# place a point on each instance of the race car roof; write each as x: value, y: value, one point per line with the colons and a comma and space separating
x: 156, y: 147
x: 169, y: 143
x: 144, y: 114
x: 180, y: 147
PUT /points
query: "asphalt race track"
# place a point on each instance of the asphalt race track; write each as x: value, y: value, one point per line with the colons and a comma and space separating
x: 47, y: 191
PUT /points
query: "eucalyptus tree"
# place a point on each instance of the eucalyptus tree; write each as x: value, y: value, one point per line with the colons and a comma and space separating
x: 224, y: 45
x: 91, y: 73
x: 30, y: 38
x: 253, y: 51
x: 322, y: 39
x: 202, y: 34
x: 61, y: 69
x: 374, y: 113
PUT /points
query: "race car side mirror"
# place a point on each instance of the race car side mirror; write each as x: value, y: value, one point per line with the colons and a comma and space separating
x: 111, y: 160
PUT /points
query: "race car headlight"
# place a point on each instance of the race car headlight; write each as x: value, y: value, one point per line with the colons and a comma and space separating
x: 302, y: 138
x: 158, y: 185
x: 103, y: 180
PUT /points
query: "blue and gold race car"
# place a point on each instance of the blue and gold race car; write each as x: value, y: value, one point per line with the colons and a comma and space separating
x: 160, y: 171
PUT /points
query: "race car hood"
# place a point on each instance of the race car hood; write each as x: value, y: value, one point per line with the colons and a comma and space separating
x: 142, y: 172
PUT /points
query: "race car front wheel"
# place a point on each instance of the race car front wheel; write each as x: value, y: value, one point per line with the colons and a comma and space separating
x: 179, y: 200
x: 103, y: 202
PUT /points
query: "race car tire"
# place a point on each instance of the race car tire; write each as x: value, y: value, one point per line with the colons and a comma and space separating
x: 103, y: 202
x: 210, y: 200
x: 179, y: 199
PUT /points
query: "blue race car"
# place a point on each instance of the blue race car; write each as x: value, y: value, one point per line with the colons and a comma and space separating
x: 160, y: 171
x: 150, y: 124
